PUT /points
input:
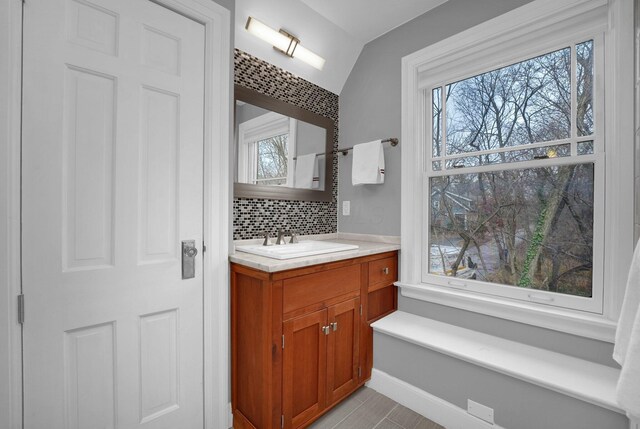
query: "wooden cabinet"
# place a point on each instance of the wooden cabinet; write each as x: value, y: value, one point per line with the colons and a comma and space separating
x: 301, y: 340
x: 305, y: 356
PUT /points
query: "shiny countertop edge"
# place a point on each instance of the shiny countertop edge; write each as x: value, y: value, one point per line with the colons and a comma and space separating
x: 367, y: 245
x: 389, y: 239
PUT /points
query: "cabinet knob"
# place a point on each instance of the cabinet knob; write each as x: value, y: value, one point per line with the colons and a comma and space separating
x: 326, y: 330
x: 334, y: 326
x: 385, y: 270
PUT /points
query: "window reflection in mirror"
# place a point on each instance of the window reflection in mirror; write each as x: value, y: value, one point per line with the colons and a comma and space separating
x: 276, y: 150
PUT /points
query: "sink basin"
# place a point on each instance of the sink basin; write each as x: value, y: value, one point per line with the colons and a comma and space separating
x: 296, y: 250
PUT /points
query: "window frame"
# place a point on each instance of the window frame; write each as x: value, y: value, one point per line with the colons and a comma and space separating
x: 261, y: 128
x: 593, y: 304
x: 538, y: 25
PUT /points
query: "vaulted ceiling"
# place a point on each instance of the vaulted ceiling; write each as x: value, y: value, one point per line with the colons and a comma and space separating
x: 334, y: 29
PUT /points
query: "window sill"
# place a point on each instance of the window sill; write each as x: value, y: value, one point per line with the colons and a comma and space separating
x: 558, y: 319
x: 587, y: 381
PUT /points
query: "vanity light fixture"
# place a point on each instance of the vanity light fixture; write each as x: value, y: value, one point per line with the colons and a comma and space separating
x: 284, y: 42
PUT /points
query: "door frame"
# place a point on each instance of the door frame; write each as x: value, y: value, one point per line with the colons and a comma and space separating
x: 217, y: 131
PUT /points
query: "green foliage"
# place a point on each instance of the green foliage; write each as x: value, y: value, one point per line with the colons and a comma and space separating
x: 536, y: 241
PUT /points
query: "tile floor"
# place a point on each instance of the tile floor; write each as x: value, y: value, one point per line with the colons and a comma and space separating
x: 368, y: 409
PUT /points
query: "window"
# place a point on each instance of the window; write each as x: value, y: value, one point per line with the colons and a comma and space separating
x: 272, y: 158
x: 512, y: 177
x: 510, y: 207
x: 266, y: 148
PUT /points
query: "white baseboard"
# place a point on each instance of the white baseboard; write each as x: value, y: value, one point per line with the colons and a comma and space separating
x: 426, y: 404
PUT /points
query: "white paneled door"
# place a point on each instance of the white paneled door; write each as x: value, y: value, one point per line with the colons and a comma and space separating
x: 112, y: 184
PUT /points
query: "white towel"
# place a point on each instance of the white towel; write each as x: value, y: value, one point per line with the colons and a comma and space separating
x: 627, y: 347
x: 306, y: 174
x: 368, y: 163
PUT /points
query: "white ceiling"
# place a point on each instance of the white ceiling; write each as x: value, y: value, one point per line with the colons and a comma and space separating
x: 369, y: 19
x: 336, y: 30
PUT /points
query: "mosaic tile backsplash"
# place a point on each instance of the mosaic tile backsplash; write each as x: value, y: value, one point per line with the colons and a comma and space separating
x: 251, y: 216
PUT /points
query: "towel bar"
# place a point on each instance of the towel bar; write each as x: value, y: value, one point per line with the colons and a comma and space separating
x: 393, y: 141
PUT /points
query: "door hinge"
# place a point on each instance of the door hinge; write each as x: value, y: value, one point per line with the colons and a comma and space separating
x: 21, y: 309
x: 283, y: 341
x: 204, y: 248
x: 360, y: 309
x: 282, y: 421
x: 359, y: 371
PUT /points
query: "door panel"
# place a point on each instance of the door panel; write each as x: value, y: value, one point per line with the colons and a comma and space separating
x: 88, y: 160
x: 342, y: 349
x: 112, y: 182
x: 90, y: 376
x: 304, y: 371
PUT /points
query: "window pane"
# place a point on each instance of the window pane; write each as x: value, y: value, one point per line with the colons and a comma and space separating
x: 557, y: 151
x: 585, y: 148
x: 272, y: 160
x: 527, y: 102
x: 436, y: 120
x: 530, y: 228
x: 584, y: 74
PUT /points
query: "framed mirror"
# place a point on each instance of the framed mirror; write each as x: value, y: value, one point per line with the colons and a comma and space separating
x: 282, y: 151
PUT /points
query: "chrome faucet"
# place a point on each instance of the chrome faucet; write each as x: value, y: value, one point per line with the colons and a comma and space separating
x: 280, y: 239
x: 266, y: 242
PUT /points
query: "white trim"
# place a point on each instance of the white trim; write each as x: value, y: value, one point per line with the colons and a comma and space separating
x: 619, y: 236
x: 426, y: 404
x: 523, y: 48
x: 217, y: 21
x: 217, y: 195
x: 229, y: 417
x: 568, y: 375
x: 10, y: 117
x: 251, y: 131
x: 217, y: 128
x: 558, y: 319
x: 501, y: 31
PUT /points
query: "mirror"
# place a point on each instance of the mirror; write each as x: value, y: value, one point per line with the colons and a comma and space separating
x: 281, y: 151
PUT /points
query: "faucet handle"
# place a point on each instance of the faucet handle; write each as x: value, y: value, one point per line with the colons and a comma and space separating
x: 280, y: 239
x: 294, y: 236
x: 266, y: 239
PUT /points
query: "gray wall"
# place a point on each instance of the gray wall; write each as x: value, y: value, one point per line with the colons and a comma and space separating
x: 370, y: 109
x: 516, y: 405
x: 247, y: 111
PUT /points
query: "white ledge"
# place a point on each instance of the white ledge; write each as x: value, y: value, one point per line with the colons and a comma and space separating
x: 587, y: 381
x: 573, y: 322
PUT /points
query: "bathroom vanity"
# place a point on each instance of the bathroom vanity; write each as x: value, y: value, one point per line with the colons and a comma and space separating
x: 300, y: 335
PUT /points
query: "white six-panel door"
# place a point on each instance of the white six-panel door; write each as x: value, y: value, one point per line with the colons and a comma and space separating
x: 112, y: 183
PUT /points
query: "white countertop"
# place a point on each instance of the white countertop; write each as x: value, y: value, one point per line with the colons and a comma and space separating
x: 367, y: 245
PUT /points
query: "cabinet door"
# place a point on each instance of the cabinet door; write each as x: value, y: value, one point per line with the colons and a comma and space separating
x: 304, y: 372
x: 343, y: 349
